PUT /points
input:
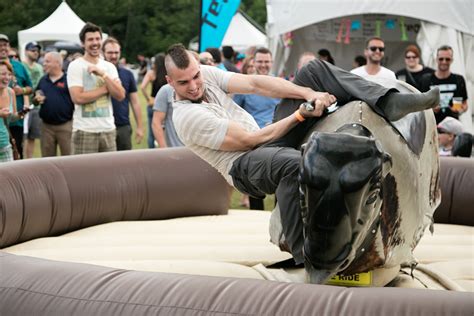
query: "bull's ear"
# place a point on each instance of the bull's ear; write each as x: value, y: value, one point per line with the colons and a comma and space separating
x: 303, y: 147
x: 387, y: 164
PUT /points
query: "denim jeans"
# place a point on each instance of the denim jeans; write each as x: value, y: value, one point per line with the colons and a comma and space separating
x: 151, y: 138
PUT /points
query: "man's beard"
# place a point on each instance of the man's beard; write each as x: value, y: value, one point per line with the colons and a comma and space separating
x: 374, y: 61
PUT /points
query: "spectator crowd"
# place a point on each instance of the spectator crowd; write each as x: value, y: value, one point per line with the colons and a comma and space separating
x: 81, y: 104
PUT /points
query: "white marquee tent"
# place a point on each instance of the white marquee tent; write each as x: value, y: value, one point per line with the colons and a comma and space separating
x: 242, y: 34
x: 342, y: 26
x: 62, y: 25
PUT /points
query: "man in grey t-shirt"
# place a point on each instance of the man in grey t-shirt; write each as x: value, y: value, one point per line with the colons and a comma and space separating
x: 163, y: 127
x: 228, y: 138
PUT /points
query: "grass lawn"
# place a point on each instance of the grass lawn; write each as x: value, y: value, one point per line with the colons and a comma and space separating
x: 235, y: 200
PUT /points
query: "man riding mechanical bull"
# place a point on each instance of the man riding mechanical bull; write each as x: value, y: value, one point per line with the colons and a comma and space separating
x: 332, y: 194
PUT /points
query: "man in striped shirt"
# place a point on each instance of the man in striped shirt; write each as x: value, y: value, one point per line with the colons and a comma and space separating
x: 228, y: 138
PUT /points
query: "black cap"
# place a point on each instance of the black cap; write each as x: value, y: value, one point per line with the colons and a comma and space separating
x: 32, y: 46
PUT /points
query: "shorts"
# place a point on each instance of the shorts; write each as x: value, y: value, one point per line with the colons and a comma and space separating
x: 33, y: 130
x: 6, y: 154
x: 90, y: 142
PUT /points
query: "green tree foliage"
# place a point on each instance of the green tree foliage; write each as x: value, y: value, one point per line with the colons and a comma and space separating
x: 142, y: 26
x: 256, y: 9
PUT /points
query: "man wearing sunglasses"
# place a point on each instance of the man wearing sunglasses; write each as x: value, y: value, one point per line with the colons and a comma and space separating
x: 374, y: 53
x: 453, y: 98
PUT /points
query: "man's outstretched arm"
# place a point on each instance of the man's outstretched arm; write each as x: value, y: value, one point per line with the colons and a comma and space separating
x: 276, y: 88
x: 238, y: 139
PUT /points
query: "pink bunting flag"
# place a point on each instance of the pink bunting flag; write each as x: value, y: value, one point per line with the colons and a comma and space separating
x: 347, y: 39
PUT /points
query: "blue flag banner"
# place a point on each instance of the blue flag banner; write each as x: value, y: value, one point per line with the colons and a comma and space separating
x: 215, y: 19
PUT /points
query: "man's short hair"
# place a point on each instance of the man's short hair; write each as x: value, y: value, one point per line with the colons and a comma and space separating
x: 56, y: 56
x: 89, y: 28
x: 262, y: 50
x: 228, y: 52
x: 216, y: 54
x: 178, y: 55
x: 378, y: 38
x: 110, y: 40
x: 444, y: 47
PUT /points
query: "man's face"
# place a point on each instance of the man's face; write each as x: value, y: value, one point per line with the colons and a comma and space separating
x: 92, y: 43
x: 445, y: 139
x: 13, y: 54
x: 4, y: 49
x: 444, y: 59
x: 112, y: 53
x: 187, y: 83
x: 263, y: 63
x: 50, y: 64
x: 33, y: 54
x: 374, y: 52
x: 206, y: 59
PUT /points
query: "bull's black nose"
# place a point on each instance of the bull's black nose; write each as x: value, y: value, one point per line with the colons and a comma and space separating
x: 320, y: 261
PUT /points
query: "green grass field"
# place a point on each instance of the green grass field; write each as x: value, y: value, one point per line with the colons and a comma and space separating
x: 235, y: 199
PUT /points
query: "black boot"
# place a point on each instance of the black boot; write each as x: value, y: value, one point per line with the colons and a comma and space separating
x: 397, y: 105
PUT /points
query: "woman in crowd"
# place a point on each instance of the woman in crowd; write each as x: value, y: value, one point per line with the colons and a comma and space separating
x: 248, y: 66
x: 155, y: 77
x: 7, y: 110
x: 414, y: 70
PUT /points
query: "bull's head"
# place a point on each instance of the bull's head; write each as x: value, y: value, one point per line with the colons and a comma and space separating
x: 341, y: 181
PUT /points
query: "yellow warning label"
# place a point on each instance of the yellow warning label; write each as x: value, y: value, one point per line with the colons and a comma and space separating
x: 359, y: 279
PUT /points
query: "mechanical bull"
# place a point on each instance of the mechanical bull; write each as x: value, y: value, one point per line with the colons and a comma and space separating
x: 369, y: 188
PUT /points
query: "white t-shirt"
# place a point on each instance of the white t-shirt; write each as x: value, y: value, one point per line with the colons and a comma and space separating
x: 383, y: 73
x: 97, y: 116
x: 203, y: 126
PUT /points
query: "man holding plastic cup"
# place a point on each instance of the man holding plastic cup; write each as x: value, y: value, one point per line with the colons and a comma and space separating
x: 453, y: 93
x: 56, y: 109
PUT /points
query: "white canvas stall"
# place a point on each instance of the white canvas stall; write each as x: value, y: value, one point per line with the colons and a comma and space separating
x: 62, y: 25
x: 242, y: 34
x: 295, y: 26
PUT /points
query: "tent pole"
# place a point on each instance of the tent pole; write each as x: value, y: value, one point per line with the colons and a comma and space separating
x: 200, y: 25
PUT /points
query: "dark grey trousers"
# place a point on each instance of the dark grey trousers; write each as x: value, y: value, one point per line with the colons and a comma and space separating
x: 124, y: 137
x: 274, y: 170
x: 274, y: 167
x: 324, y: 77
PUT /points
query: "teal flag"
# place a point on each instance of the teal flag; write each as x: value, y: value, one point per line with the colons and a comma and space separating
x: 215, y: 19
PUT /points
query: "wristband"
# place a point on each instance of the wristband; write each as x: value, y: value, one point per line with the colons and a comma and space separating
x: 299, y: 117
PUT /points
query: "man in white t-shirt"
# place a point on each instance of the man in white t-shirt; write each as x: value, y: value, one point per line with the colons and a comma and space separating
x: 92, y: 82
x: 374, y: 53
x: 251, y: 159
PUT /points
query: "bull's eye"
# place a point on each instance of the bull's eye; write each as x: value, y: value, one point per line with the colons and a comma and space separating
x: 372, y: 197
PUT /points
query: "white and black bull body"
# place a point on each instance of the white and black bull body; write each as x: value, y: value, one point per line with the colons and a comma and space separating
x: 369, y: 189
